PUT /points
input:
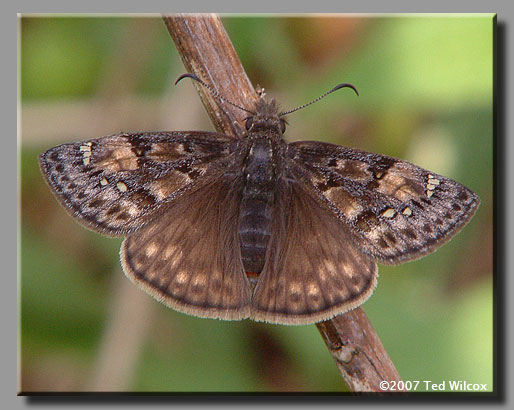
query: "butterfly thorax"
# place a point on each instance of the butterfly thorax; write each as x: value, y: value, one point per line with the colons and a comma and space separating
x: 260, y: 172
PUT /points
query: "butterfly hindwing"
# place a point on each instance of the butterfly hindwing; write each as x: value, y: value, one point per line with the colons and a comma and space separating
x: 395, y: 210
x: 118, y: 183
x: 190, y: 258
x: 312, y: 271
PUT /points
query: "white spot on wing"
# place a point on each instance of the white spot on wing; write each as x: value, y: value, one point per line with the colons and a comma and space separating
x: 133, y: 210
x: 389, y: 213
x: 86, y: 153
x: 199, y: 280
x: 182, y: 277
x: 121, y: 186
x: 407, y: 211
x: 295, y: 287
x: 151, y: 249
x: 312, y: 289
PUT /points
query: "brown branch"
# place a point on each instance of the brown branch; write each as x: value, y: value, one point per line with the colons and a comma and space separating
x: 358, y: 352
x: 207, y: 51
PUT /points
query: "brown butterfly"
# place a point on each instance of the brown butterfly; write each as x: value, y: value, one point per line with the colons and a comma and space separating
x: 254, y: 227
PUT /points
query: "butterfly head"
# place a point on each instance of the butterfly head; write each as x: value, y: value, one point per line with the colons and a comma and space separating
x: 266, y: 116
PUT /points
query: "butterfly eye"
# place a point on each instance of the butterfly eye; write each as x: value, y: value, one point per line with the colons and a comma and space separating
x: 282, y: 126
x: 249, y: 123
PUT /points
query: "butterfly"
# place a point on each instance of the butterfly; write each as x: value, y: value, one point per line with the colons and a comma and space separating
x: 255, y: 227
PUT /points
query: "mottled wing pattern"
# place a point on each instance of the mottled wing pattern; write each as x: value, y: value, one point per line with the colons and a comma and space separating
x: 313, y: 271
x: 396, y: 211
x: 116, y: 184
x: 190, y: 258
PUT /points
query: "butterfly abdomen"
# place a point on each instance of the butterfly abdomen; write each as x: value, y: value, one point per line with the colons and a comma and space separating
x: 256, y: 205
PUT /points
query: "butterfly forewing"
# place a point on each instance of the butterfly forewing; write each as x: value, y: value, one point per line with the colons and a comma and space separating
x: 313, y: 271
x: 395, y: 210
x: 190, y: 258
x: 118, y: 183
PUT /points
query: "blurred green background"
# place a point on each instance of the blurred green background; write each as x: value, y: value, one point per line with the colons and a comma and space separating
x: 425, y: 86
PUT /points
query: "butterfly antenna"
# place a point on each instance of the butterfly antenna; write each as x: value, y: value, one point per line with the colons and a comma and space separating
x: 211, y: 90
x: 337, y: 87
